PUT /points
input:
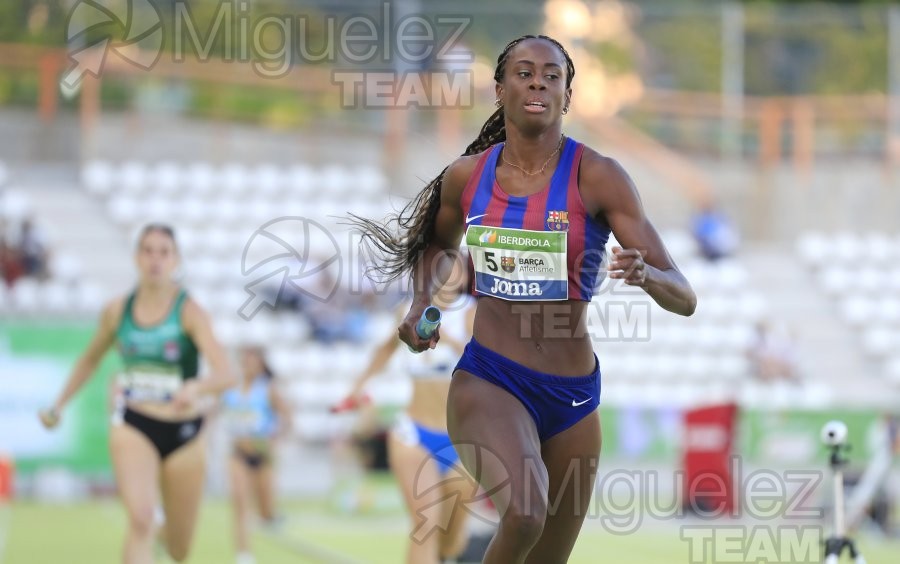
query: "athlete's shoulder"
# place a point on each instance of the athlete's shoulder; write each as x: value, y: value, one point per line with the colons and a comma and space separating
x: 461, y: 170
x: 604, y: 183
x: 191, y: 311
x: 113, y: 311
x: 597, y: 166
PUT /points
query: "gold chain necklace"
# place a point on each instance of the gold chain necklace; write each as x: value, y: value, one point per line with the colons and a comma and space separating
x: 525, y: 172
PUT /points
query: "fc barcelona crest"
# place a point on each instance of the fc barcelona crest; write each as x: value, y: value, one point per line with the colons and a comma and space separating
x: 558, y: 220
x: 171, y: 351
x: 508, y: 264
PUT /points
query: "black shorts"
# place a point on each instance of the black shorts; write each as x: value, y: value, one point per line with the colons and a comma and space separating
x: 253, y: 460
x: 166, y: 436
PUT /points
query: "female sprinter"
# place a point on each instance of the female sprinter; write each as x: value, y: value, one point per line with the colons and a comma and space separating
x: 160, y: 333
x: 536, y: 209
x: 420, y: 453
x: 255, y: 413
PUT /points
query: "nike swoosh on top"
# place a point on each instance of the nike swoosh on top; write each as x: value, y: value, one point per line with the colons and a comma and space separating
x: 576, y: 404
x: 473, y: 218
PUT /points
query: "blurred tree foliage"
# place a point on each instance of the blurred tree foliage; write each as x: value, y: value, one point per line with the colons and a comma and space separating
x: 790, y: 47
x: 33, y: 21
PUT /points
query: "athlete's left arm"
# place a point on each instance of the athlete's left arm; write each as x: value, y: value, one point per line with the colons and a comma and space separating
x: 197, y: 325
x: 609, y: 192
x: 282, y: 409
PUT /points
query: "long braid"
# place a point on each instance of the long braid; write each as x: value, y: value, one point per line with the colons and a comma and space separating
x: 401, y: 251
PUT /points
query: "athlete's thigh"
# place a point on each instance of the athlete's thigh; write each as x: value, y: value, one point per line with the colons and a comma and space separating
x: 136, y: 467
x: 571, y: 458
x: 183, y: 474
x: 419, y: 482
x: 238, y: 480
x: 264, y: 489
x: 459, y: 485
x: 497, y: 442
x: 416, y: 473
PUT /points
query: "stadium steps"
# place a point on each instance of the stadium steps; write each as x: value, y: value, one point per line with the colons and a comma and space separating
x: 78, y: 225
x: 827, y: 349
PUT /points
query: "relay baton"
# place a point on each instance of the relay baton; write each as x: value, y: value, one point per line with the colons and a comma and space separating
x: 428, y: 323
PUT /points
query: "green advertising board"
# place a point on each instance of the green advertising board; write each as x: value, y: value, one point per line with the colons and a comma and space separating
x: 35, y: 361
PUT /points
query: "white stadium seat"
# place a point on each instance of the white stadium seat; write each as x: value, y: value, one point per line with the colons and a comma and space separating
x: 870, y: 279
x: 858, y: 309
x: 225, y: 211
x: 889, y: 310
x: 837, y: 279
x: 200, y: 179
x: 267, y: 181
x: 335, y: 179
x: 156, y: 209
x: 300, y: 180
x: 26, y: 296
x: 88, y: 298
x: 98, y: 177
x: 133, y: 177
x: 65, y: 267
x: 124, y: 209
x: 892, y: 369
x: 814, y: 248
x: 15, y: 205
x: 846, y: 247
x: 166, y: 177
x: 56, y: 297
x: 235, y: 178
x: 879, y: 341
x: 370, y: 182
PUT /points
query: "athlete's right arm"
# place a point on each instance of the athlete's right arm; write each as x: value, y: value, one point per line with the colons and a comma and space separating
x: 380, y: 358
x: 87, y: 364
x: 436, y: 263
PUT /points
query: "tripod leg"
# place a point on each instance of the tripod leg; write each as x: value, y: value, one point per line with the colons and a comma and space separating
x: 834, y: 546
x: 855, y: 554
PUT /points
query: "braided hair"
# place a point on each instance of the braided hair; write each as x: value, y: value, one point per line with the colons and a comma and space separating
x: 416, y: 220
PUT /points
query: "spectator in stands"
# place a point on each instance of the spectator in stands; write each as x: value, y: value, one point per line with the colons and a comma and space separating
x: 11, y: 267
x: 715, y: 233
x: 32, y: 250
x: 773, y: 354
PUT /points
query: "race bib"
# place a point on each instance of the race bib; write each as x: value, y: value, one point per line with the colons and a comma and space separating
x: 244, y: 422
x: 516, y: 264
x: 149, y: 385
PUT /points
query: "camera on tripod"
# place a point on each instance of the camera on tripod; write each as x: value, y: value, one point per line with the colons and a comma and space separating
x: 834, y: 434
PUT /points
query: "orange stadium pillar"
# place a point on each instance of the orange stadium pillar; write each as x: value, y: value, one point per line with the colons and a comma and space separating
x: 48, y: 96
x: 449, y: 127
x: 395, y: 132
x: 90, y: 103
x: 770, y: 119
x: 804, y: 136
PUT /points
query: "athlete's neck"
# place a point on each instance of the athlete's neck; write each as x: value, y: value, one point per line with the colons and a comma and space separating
x: 156, y: 294
x: 528, y: 150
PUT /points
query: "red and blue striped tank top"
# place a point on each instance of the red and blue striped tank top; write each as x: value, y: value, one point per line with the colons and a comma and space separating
x: 540, y: 247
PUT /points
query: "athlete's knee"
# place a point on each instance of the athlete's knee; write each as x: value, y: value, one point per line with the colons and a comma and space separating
x: 525, y: 524
x: 178, y: 551
x: 453, y: 543
x: 141, y: 520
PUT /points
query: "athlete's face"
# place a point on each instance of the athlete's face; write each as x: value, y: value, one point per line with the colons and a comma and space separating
x: 251, y: 363
x: 157, y: 257
x: 533, y: 91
